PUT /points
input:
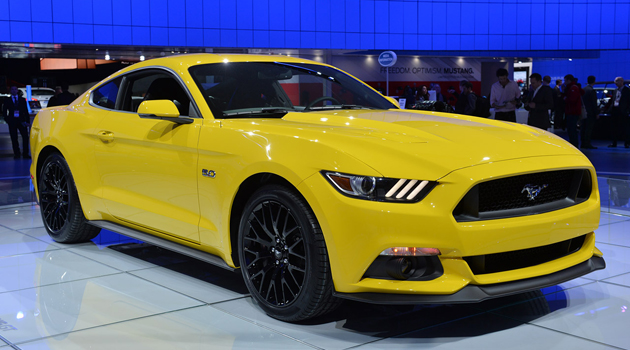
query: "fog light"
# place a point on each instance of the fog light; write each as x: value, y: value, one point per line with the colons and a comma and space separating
x: 400, y: 268
x: 411, y: 251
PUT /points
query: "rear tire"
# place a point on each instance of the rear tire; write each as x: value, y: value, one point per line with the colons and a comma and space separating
x: 59, y: 203
x: 283, y: 256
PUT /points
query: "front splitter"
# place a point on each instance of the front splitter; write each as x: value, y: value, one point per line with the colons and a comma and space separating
x: 477, y: 293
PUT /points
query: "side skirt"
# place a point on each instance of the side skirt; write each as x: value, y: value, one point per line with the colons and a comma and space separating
x: 163, y: 243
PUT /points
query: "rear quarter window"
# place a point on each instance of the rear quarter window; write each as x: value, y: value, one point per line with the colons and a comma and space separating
x: 105, y: 96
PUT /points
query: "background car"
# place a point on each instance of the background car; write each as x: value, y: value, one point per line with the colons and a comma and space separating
x: 41, y: 94
x: 314, y: 185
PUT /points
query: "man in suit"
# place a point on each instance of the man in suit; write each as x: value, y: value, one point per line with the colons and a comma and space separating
x: 590, y: 105
x: 540, y: 102
x: 16, y: 115
x: 619, y: 110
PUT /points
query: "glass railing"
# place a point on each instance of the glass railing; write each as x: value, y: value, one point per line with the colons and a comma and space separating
x: 16, y: 190
x: 614, y: 191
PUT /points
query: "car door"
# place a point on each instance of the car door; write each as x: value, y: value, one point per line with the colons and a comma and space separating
x: 148, y: 167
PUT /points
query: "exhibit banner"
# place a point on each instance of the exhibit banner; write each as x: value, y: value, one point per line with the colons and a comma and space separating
x: 436, y: 69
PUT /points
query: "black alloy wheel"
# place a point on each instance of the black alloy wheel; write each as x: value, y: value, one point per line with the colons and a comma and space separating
x: 54, y: 197
x: 283, y: 256
x: 59, y: 203
x: 275, y: 254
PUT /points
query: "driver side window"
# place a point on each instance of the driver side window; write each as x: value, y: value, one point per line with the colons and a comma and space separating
x: 155, y: 86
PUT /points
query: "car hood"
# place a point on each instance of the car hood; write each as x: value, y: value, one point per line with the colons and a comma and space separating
x: 425, y: 145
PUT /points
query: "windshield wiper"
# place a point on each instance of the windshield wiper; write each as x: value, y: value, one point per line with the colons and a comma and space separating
x: 259, y: 111
x: 340, y: 107
x: 309, y: 71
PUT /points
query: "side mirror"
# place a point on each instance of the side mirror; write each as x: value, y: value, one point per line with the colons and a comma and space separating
x: 392, y: 100
x: 162, y: 110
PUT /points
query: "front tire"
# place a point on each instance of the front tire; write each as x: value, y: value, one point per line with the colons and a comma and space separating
x: 283, y: 256
x: 59, y: 203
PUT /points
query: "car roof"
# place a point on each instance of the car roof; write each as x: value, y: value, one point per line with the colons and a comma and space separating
x: 188, y: 60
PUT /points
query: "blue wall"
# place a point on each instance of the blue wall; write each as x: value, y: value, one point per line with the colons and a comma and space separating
x: 611, y: 64
x: 337, y: 24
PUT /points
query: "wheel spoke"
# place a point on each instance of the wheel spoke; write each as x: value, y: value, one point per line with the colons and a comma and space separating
x: 272, y: 284
x: 252, y: 277
x: 286, y: 233
x: 257, y: 239
x: 286, y: 283
x: 293, y: 246
x: 293, y: 267
x: 282, y: 284
x: 260, y: 239
x: 262, y: 225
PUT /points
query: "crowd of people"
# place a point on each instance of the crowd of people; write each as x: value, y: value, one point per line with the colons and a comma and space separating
x: 569, y: 105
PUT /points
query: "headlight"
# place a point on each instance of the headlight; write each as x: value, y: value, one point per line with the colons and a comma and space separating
x: 380, y: 188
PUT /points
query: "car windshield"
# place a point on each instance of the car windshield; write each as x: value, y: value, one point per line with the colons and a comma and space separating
x: 271, y: 89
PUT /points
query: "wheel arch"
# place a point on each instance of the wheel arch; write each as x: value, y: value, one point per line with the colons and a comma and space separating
x: 245, y: 191
x: 41, y: 157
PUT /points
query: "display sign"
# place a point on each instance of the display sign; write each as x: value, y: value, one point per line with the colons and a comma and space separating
x: 387, y: 58
x: 407, y: 68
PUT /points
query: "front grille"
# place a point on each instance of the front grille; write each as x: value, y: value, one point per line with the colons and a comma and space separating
x: 524, y: 195
x: 518, y: 259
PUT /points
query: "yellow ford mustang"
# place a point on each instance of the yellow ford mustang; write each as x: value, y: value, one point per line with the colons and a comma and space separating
x: 316, y: 186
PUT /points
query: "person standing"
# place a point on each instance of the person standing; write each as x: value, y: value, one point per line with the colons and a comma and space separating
x: 16, y: 115
x: 558, y: 102
x: 590, y: 105
x: 504, y: 96
x: 540, y: 102
x: 467, y: 101
x: 53, y: 100
x: 410, y: 97
x: 547, y: 81
x: 438, y: 93
x: 619, y: 110
x: 572, y: 108
x: 62, y: 99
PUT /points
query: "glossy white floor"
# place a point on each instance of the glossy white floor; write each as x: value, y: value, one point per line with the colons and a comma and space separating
x: 114, y: 293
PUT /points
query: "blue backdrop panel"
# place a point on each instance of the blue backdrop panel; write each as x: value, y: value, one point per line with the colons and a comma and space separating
x: 337, y: 24
x: 82, y: 12
x: 41, y: 11
x: 20, y: 10
x: 104, y: 34
x: 42, y: 32
x: 84, y: 34
x: 261, y: 17
x: 122, y: 13
x: 21, y: 31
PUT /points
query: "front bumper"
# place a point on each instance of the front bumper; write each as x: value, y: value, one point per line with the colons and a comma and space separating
x: 477, y: 293
x: 356, y: 231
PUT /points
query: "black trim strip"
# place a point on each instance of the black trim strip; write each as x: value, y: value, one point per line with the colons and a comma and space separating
x: 476, y: 293
x: 161, y: 242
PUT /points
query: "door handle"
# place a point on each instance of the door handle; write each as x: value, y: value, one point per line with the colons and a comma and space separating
x: 105, y: 136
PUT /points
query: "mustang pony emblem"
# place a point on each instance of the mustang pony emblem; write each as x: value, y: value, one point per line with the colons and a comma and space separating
x: 533, y: 191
